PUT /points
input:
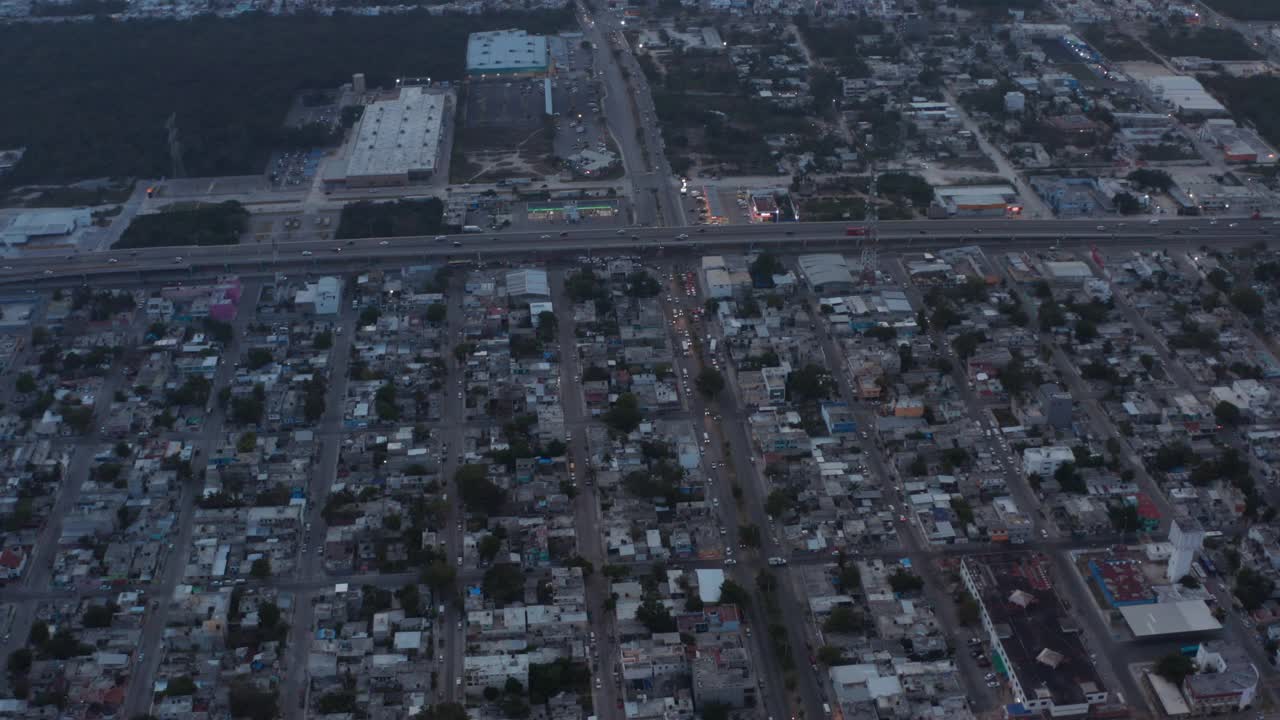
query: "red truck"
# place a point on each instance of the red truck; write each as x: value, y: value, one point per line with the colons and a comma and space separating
x: 855, y: 231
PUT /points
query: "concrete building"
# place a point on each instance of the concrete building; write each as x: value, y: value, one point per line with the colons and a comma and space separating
x: 1227, y: 681
x: 31, y: 225
x: 505, y: 53
x: 827, y: 272
x: 528, y: 284
x: 397, y: 143
x: 1057, y: 406
x: 1185, y: 95
x: 1047, y: 664
x: 722, y: 673
x: 1045, y: 461
x: 321, y: 297
x: 1187, y: 537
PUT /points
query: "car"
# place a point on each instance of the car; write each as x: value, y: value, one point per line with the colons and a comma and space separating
x: 441, y: 238
x: 459, y: 561
x: 564, y: 233
x: 1234, y: 225
x: 457, y: 244
x: 178, y: 259
x: 730, y: 561
x: 383, y: 242
x: 1102, y: 227
x: 112, y: 261
x: 993, y: 684
x: 989, y: 676
x: 306, y: 253
x: 682, y: 236
x: 544, y: 237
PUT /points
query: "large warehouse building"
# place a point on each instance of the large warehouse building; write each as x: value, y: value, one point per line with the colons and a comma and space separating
x: 505, y: 53
x: 398, y: 142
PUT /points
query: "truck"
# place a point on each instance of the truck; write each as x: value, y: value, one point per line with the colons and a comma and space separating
x: 472, y: 229
x: 776, y: 561
x: 855, y: 231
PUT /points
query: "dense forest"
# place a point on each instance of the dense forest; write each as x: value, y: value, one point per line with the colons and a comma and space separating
x: 91, y: 99
x: 400, y: 218
x: 220, y: 224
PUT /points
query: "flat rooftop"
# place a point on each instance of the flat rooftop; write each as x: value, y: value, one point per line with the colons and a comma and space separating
x: 398, y: 136
x: 1175, y: 618
x: 1042, y: 645
x: 505, y: 50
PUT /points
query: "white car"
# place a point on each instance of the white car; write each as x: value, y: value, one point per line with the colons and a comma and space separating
x: 384, y: 242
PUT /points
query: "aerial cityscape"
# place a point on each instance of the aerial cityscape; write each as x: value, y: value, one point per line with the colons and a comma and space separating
x: 639, y: 359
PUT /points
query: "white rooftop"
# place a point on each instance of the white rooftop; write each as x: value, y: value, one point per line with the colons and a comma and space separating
x: 1173, y: 618
x: 505, y: 50
x: 398, y: 136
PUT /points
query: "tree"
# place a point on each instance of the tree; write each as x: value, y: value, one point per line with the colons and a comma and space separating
x: 1124, y: 517
x: 247, y: 701
x: 655, y: 616
x: 1253, y: 589
x: 1189, y: 581
x: 1248, y: 301
x: 1086, y: 332
x: 710, y: 382
x: 830, y: 656
x: 902, y: 581
x: 624, y: 417
x: 749, y: 535
x: 503, y: 584
x: 967, y: 611
x: 1126, y: 203
x: 19, y: 661
x: 261, y: 569
x: 1226, y: 413
x: 246, y: 443
x: 478, y: 493
x: 777, y: 503
x: 39, y: 633
x: 734, y: 594
x: 438, y: 575
x: 1151, y: 179
x: 809, y: 384
x: 436, y: 312
x: 98, y: 616
x: 1069, y: 480
x: 25, y: 383
x: 966, y: 344
x: 488, y: 547
x: 443, y: 711
x: 715, y: 711
x: 1175, y: 667
x: 844, y: 620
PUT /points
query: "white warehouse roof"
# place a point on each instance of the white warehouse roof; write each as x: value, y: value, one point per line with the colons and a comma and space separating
x: 505, y: 50
x: 398, y: 136
x: 1173, y: 618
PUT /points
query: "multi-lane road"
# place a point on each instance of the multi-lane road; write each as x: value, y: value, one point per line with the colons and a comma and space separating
x: 321, y: 255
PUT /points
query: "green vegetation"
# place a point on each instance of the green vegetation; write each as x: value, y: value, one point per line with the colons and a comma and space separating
x: 91, y: 99
x: 1246, y: 9
x: 220, y: 224
x: 398, y: 218
x: 503, y: 584
x: 1116, y: 46
x: 1206, y: 42
x: 1174, y: 667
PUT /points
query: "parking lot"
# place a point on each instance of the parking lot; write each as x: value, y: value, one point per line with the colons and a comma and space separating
x: 294, y: 169
x: 516, y: 103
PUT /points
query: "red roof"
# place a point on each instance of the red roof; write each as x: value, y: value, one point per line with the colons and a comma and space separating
x: 11, y: 559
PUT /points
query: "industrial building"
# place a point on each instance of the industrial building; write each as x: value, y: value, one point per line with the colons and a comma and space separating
x: 34, y: 225
x: 321, y: 297
x: 1033, y: 641
x: 505, y: 53
x: 978, y: 200
x: 827, y: 272
x: 1185, y: 95
x: 397, y: 143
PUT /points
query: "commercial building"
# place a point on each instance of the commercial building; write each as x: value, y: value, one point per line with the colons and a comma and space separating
x: 505, y: 53
x: 1185, y: 95
x: 1227, y: 681
x: 528, y: 284
x: 398, y: 142
x: 1035, y: 644
x: 321, y: 297
x: 1238, y: 145
x: 1166, y: 619
x: 827, y: 272
x: 979, y: 200
x: 31, y: 225
x: 1045, y: 461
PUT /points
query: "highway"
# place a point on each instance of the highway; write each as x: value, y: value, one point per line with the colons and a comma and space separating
x: 137, y: 266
